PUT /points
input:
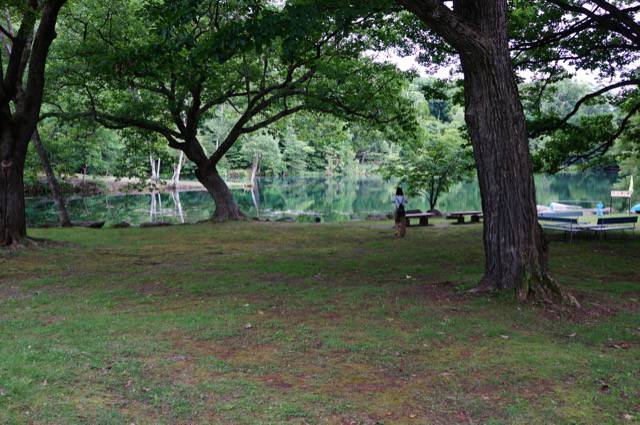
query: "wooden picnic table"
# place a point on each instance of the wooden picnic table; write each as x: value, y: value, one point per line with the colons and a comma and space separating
x: 459, y: 216
x: 422, y: 216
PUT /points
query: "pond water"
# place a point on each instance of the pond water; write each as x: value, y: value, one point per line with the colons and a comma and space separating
x: 303, y: 199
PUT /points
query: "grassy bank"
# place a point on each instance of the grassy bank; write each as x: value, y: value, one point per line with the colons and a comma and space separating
x: 259, y: 323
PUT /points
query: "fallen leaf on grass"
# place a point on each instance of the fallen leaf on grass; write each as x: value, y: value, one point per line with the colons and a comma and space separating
x: 504, y: 336
x: 248, y: 326
x: 620, y: 345
x: 628, y: 417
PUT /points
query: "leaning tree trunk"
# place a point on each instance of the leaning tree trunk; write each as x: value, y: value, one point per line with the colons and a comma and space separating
x: 226, y: 206
x: 63, y: 214
x: 13, y: 223
x: 515, y: 249
x: 207, y: 174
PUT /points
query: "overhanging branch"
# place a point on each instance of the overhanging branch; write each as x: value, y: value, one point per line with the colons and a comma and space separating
x: 602, y: 148
x: 583, y: 100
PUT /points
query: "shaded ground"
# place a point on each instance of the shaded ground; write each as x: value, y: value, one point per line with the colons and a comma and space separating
x: 259, y: 323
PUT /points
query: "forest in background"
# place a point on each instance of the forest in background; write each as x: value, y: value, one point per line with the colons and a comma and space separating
x: 321, y: 144
x: 129, y: 70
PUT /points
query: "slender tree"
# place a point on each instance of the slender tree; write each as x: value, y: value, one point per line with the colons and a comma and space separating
x: 19, y: 108
x: 54, y: 187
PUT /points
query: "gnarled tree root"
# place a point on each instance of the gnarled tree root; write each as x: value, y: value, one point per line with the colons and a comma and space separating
x: 531, y: 287
x: 24, y: 243
x: 543, y: 288
x: 235, y: 216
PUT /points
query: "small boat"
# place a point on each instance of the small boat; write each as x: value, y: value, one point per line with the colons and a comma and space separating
x: 557, y: 206
x: 542, y: 208
x: 636, y: 209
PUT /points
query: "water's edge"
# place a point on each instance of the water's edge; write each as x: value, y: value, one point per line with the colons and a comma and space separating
x: 304, y: 199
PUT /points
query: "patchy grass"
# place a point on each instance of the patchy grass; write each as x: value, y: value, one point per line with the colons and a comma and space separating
x: 254, y: 323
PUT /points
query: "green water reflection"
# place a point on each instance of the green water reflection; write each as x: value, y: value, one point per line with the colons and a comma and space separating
x: 332, y: 199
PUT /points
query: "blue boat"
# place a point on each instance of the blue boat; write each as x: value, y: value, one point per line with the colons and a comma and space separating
x: 636, y: 209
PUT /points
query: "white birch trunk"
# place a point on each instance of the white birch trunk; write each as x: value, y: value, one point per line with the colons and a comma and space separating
x: 177, y: 169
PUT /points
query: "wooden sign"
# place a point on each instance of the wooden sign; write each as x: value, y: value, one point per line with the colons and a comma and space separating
x: 620, y: 194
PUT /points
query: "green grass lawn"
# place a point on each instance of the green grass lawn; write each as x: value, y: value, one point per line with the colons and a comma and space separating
x: 263, y: 323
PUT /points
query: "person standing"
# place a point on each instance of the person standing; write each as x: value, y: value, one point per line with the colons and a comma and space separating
x: 400, y: 215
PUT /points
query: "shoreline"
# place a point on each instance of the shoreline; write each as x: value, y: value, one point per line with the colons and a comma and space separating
x: 96, y: 185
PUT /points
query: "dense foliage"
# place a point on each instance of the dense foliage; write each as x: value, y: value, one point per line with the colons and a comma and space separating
x: 130, y: 69
x: 439, y: 155
x: 111, y: 60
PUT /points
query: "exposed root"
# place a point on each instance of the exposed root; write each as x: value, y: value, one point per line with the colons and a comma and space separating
x: 23, y: 243
x: 531, y: 288
x: 221, y: 218
x: 26, y: 243
x: 541, y: 287
x: 485, y: 286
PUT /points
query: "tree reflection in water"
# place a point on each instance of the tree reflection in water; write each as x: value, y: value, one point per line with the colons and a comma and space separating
x: 303, y: 199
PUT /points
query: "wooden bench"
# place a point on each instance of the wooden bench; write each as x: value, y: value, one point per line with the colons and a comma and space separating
x: 459, y: 216
x: 610, y: 224
x: 559, y: 216
x: 422, y: 216
x: 564, y: 221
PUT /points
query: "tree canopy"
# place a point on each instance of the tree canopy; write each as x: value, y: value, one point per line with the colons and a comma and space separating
x: 164, y: 67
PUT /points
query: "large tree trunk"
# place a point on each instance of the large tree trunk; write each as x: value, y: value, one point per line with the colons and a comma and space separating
x: 13, y: 223
x: 63, y: 214
x: 226, y: 206
x: 207, y: 174
x: 20, y: 102
x: 515, y: 249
